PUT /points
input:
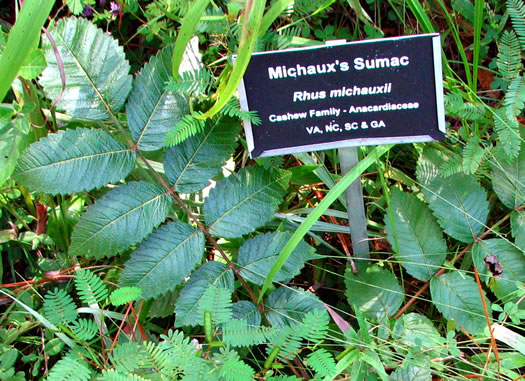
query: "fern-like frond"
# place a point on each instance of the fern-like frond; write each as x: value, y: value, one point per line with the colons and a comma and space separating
x: 238, y: 333
x: 314, y: 326
x: 90, y: 288
x: 217, y: 301
x: 158, y: 359
x: 180, y: 351
x: 516, y: 9
x: 186, y: 127
x: 113, y: 375
x: 322, y: 362
x: 288, y: 339
x: 124, y: 295
x: 473, y: 154
x: 509, y: 57
x: 515, y: 97
x: 451, y: 166
x: 84, y: 329
x: 70, y: 368
x: 508, y: 133
x: 128, y: 357
x: 236, y: 370
x: 59, y: 307
x: 232, y: 109
x: 456, y: 107
x: 192, y: 82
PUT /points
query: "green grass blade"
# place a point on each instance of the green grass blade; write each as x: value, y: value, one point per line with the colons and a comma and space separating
x: 328, y: 200
x: 252, y: 22
x: 421, y: 15
x: 186, y: 33
x: 271, y: 15
x: 22, y: 39
x: 478, y: 20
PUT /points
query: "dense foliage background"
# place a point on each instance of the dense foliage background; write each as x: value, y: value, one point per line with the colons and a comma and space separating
x: 139, y: 241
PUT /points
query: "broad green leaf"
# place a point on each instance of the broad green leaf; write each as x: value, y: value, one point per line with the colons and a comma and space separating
x: 456, y: 296
x: 191, y: 164
x: 374, y: 292
x: 460, y: 205
x: 417, y: 331
x: 246, y: 310
x: 244, y: 201
x: 33, y: 65
x: 164, y: 259
x: 508, y: 181
x: 73, y: 161
x: 12, y: 143
x: 257, y: 256
x: 122, y: 217
x: 415, y: 235
x: 517, y: 222
x: 152, y: 111
x: 97, y: 79
x: 288, y: 306
x: 512, y: 270
x: 187, y: 306
x: 411, y: 373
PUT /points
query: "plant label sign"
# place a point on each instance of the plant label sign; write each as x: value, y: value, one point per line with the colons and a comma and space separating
x: 359, y: 93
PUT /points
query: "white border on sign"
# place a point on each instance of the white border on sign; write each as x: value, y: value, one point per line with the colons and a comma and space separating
x: 440, y: 103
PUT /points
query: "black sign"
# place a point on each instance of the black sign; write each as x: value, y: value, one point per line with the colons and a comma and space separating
x: 359, y: 93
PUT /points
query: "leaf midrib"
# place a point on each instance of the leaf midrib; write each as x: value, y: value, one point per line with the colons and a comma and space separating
x: 238, y: 205
x: 91, y: 236
x: 73, y: 159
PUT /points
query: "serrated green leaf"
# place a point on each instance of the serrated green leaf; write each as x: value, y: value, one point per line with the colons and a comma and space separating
x: 187, y: 306
x: 244, y: 201
x: 287, y: 306
x: 191, y: 164
x: 97, y: 79
x: 122, y: 217
x: 517, y: 223
x: 152, y: 111
x: 460, y: 205
x: 75, y: 6
x: 12, y: 143
x: 415, y: 235
x: 508, y: 181
x: 375, y: 292
x: 164, y: 259
x: 33, y: 65
x: 257, y: 256
x: 417, y: 331
x: 411, y: 373
x: 73, y: 161
x: 512, y: 262
x: 246, y: 310
x: 456, y: 296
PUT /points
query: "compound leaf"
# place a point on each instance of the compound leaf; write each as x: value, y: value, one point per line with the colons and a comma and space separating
x: 415, y: 235
x: 152, y: 110
x: 375, y: 292
x: 96, y: 70
x: 244, y: 201
x: 191, y: 164
x: 257, y: 256
x: 460, y: 205
x: 121, y: 218
x: 456, y: 296
x: 73, y: 161
x: 164, y: 259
